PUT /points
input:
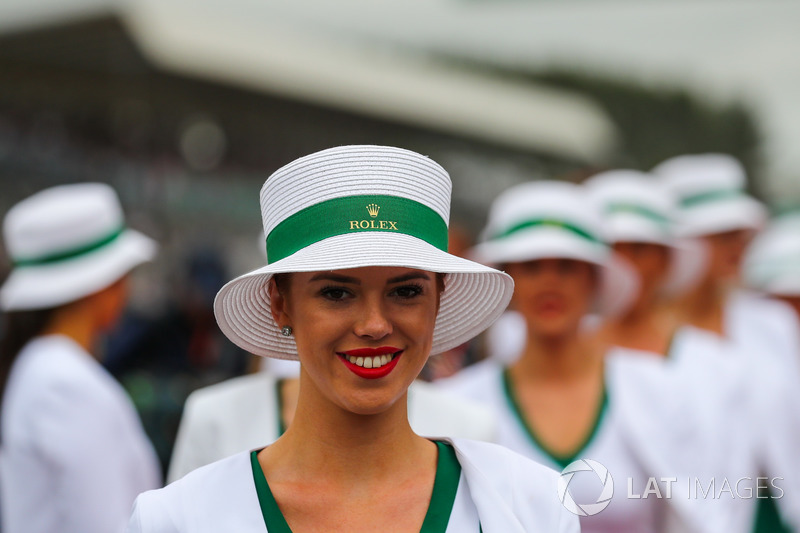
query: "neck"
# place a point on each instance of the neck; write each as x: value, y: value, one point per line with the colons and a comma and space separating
x: 644, y: 327
x: 563, y: 357
x: 73, y: 321
x: 704, y: 307
x: 329, y: 443
x: 641, y: 313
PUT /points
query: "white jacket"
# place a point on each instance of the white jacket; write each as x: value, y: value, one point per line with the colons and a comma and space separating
x: 74, y: 455
x: 512, y: 495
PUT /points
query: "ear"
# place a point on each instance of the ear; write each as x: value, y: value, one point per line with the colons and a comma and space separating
x: 277, y: 304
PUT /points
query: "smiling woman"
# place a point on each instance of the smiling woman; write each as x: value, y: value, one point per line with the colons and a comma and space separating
x: 362, y: 306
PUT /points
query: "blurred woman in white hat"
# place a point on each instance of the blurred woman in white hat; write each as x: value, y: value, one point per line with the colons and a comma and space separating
x: 761, y: 335
x: 772, y: 267
x: 567, y: 398
x: 772, y: 262
x: 715, y: 210
x: 638, y: 221
x: 73, y: 455
x: 360, y: 289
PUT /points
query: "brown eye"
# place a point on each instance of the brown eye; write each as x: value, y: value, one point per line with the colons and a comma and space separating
x: 407, y: 292
x: 335, y: 293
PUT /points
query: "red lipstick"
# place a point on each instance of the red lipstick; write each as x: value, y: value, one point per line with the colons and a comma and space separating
x: 371, y: 373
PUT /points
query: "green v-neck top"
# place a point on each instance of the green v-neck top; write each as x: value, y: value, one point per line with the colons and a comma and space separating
x: 445, y: 486
x: 560, y: 459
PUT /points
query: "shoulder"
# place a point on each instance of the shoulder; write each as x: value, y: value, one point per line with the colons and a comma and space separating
x: 511, y: 490
x: 502, y: 460
x: 436, y: 412
x: 203, y: 500
x: 237, y: 391
x: 751, y: 306
x: 475, y: 381
x: 55, y: 359
x: 624, y: 366
x: 57, y: 375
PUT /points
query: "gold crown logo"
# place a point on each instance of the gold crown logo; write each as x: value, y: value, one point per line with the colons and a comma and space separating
x: 373, y: 209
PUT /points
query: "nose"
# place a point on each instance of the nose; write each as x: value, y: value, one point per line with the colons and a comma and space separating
x: 372, y: 322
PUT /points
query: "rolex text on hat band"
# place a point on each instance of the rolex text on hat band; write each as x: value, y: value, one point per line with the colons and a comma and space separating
x: 353, y: 214
x: 70, y: 254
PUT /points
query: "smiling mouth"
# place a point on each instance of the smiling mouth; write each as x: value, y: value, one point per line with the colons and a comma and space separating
x: 371, y: 363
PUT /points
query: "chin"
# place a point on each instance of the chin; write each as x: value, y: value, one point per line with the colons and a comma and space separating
x: 554, y: 328
x: 370, y: 403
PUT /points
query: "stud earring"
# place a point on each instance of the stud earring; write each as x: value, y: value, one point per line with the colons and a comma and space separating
x: 286, y: 331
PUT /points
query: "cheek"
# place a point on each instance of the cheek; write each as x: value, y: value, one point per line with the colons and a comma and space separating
x: 655, y: 265
x: 418, y: 322
x: 580, y: 290
x: 526, y: 287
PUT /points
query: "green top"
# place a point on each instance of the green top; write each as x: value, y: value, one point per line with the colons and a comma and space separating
x: 445, y: 486
x: 561, y: 459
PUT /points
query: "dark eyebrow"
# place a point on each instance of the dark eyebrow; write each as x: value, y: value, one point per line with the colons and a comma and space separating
x: 335, y: 277
x: 410, y: 276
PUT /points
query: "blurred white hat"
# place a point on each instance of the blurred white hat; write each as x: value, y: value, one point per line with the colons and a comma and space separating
x: 638, y: 208
x: 550, y: 219
x: 772, y: 262
x: 710, y: 189
x: 65, y: 243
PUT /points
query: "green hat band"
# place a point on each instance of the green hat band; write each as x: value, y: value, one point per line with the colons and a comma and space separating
x: 711, y: 196
x: 356, y: 214
x: 549, y: 222
x: 69, y: 254
x: 639, y: 210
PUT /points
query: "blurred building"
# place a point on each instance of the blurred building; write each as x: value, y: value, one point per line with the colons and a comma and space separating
x: 186, y: 106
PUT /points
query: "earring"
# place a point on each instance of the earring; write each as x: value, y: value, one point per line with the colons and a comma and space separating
x: 286, y: 331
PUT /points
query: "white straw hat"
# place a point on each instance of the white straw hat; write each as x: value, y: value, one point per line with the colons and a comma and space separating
x: 67, y: 242
x: 638, y: 208
x: 549, y: 219
x: 710, y: 189
x: 772, y: 262
x: 357, y: 206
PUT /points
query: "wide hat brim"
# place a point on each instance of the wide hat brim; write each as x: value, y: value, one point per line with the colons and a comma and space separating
x: 739, y: 213
x: 474, y: 295
x: 618, y: 282
x: 58, y: 283
x: 688, y: 257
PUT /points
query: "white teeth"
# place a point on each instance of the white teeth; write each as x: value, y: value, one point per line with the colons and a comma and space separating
x: 370, y: 362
